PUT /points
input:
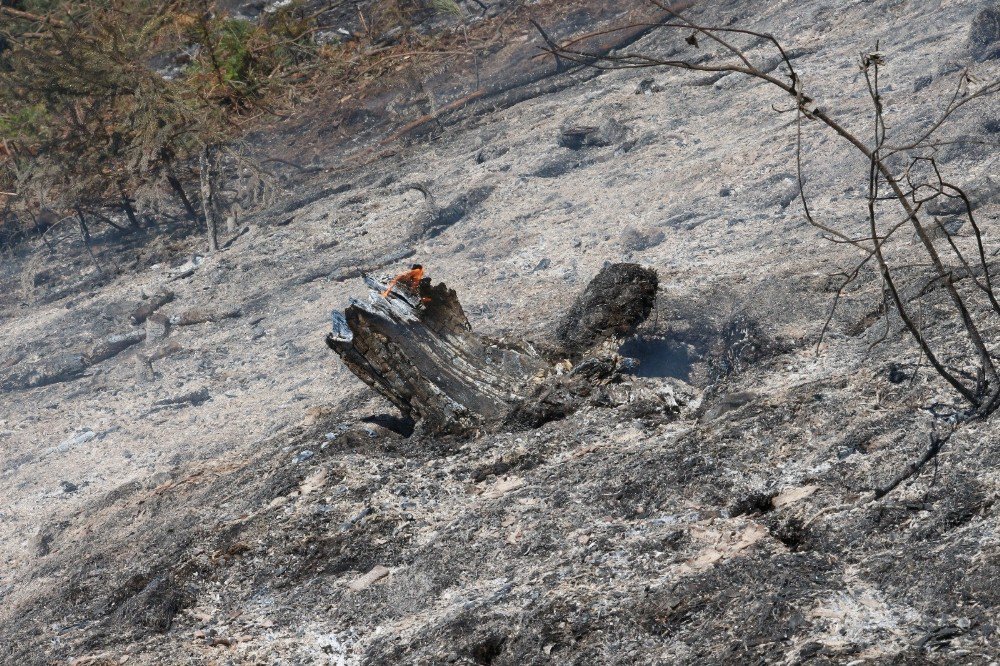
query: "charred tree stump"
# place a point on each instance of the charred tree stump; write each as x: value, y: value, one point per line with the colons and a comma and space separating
x: 412, y: 342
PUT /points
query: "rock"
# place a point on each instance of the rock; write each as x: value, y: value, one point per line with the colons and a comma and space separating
x: 253, y: 8
x: 155, y: 302
x: 303, y: 456
x: 577, y: 137
x: 648, y: 86
x: 792, y: 495
x: 984, y: 34
x: 726, y: 403
x: 112, y: 346
x: 491, y: 152
x: 922, y: 82
x: 635, y: 240
x: 504, y: 486
x: 53, y: 369
x: 195, y: 398
x: 68, y: 486
x: 158, y: 326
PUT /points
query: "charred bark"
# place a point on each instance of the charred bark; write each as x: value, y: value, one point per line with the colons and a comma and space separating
x: 613, y: 304
x: 414, y: 345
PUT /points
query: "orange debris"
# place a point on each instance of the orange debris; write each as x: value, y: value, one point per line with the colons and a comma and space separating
x: 411, y: 279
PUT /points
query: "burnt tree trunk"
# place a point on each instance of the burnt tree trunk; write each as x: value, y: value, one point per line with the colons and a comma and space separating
x: 417, y: 349
x: 133, y: 217
x: 178, y: 189
x: 208, y: 199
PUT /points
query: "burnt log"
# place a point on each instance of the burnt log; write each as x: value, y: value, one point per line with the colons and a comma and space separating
x: 412, y: 343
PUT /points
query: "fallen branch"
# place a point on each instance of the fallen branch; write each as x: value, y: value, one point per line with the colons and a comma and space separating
x: 145, y: 311
x: 28, y: 16
x: 200, y: 316
x: 936, y: 443
x: 625, y: 36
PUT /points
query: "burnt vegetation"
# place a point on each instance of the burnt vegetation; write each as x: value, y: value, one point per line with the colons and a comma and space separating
x: 900, y: 229
x: 529, y: 499
x: 412, y: 343
x: 130, y: 118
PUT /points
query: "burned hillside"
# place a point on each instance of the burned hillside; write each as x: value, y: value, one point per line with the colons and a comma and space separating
x: 682, y: 453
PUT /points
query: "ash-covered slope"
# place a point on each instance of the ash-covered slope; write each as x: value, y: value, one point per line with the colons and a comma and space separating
x: 216, y: 490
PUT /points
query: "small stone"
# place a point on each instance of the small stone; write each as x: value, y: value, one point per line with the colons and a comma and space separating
x: 648, y: 86
x: 68, y: 486
x: 922, y: 82
x: 577, y: 137
x: 504, y: 486
x: 637, y: 241
x: 303, y: 456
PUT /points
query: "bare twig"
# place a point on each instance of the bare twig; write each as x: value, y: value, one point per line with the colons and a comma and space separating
x: 937, y: 441
x: 879, y: 174
x: 28, y: 16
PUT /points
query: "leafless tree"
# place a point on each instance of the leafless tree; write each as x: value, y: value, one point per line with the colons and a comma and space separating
x: 895, y: 200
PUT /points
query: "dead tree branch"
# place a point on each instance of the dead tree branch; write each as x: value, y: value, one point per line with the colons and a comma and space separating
x: 983, y: 395
x: 208, y: 199
x: 937, y: 442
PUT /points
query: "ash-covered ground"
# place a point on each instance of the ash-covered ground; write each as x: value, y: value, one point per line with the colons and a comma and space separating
x: 222, y: 490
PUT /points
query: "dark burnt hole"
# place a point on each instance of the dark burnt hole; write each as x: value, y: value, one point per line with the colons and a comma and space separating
x: 702, y: 353
x: 793, y: 533
x: 486, y: 652
x: 400, y: 425
x: 753, y: 503
x: 660, y: 357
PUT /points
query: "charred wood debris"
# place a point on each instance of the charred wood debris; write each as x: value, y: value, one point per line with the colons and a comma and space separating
x: 412, y: 342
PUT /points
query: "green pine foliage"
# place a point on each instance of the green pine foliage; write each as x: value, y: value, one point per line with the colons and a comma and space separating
x: 102, y: 98
x: 87, y: 113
